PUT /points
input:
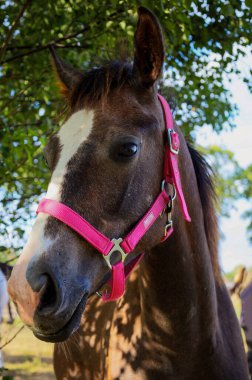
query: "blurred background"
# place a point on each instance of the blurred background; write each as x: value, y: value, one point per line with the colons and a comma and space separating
x: 207, y: 79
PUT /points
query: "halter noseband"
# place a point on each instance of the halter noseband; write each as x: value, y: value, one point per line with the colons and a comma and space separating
x: 163, y: 203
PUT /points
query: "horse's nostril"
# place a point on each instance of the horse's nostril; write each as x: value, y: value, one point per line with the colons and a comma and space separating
x: 39, y: 283
x: 48, y: 298
x: 42, y: 282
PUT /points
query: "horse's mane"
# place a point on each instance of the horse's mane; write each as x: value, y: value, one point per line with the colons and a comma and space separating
x: 98, y: 82
x: 205, y: 181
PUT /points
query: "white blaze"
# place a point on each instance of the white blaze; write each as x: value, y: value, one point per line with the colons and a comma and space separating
x: 71, y: 135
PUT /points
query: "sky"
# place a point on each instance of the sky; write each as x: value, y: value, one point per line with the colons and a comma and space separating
x: 234, y: 247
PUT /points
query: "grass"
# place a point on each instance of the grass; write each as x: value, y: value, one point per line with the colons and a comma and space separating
x: 26, y: 357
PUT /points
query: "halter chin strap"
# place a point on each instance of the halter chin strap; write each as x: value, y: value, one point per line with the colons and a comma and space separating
x: 163, y: 203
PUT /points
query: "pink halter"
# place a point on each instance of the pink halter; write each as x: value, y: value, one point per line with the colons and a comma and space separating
x: 163, y: 203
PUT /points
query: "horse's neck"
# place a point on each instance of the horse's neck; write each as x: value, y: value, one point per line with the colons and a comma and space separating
x: 178, y: 295
x: 178, y: 289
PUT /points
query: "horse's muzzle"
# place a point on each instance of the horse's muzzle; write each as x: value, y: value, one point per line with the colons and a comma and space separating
x: 72, y: 324
x: 46, y: 300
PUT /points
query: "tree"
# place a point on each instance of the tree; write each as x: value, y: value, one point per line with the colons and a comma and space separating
x: 227, y: 173
x: 245, y: 178
x: 231, y: 180
x: 204, y: 39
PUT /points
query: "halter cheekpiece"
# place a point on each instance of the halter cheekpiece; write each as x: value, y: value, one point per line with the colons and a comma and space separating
x: 162, y: 204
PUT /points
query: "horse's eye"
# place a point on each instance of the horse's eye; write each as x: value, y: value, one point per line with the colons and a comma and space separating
x: 125, y: 148
x: 128, y: 149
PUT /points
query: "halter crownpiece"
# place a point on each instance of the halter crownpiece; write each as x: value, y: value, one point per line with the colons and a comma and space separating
x: 163, y: 203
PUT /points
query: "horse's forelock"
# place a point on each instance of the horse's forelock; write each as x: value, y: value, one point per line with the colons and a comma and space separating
x: 97, y: 83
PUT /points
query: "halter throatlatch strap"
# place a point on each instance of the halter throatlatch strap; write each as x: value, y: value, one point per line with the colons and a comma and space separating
x: 124, y: 246
x: 171, y: 169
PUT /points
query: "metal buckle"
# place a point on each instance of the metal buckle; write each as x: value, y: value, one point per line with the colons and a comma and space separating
x: 170, y: 132
x: 115, y: 248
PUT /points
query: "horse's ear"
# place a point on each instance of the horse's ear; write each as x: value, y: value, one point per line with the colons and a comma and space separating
x: 68, y: 76
x: 149, y: 47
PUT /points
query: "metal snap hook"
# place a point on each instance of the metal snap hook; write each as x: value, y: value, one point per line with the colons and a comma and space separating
x: 169, y: 222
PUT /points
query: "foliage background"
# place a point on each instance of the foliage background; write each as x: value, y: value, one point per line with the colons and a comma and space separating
x: 204, y: 39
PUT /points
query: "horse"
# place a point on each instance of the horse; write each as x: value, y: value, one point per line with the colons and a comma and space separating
x: 241, y: 291
x: 175, y: 319
x: 4, y: 299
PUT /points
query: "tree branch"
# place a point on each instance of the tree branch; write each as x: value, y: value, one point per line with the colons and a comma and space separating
x: 12, y: 338
x: 46, y: 46
x: 25, y: 47
x: 59, y: 40
x: 20, y: 92
x: 12, y: 29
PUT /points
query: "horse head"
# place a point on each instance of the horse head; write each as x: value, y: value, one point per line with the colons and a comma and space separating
x: 107, y: 165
